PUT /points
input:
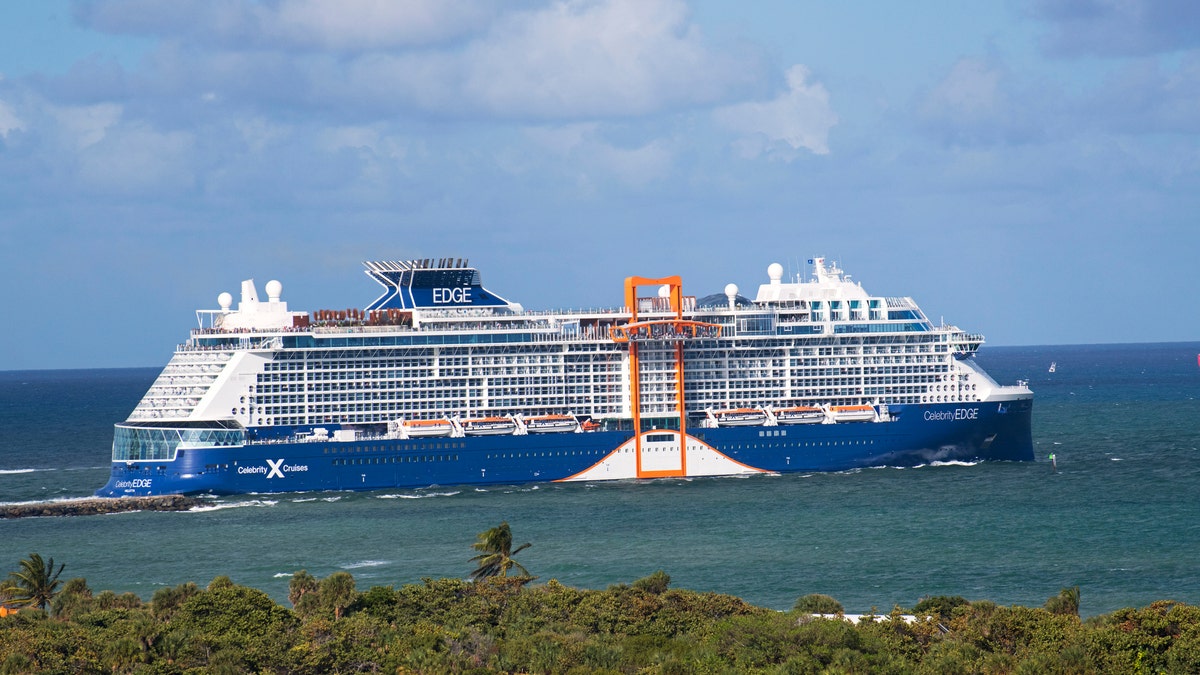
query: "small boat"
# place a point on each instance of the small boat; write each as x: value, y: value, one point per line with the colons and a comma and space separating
x: 488, y: 426
x: 1053, y: 366
x: 853, y: 413
x: 740, y: 417
x: 801, y: 414
x: 427, y: 428
x: 551, y: 424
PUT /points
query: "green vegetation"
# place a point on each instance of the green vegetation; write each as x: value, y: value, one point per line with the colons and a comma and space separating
x: 496, y: 553
x: 33, y: 584
x: 506, y: 624
x: 817, y: 603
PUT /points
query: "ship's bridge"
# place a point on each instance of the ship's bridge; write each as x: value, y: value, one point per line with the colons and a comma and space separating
x: 445, y: 283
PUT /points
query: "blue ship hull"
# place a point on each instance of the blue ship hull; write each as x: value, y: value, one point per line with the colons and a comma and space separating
x: 914, y: 435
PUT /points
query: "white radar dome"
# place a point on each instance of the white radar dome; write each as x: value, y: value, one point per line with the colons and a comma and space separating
x: 775, y: 272
x: 731, y: 290
x: 225, y: 300
x: 274, y: 290
x: 664, y: 291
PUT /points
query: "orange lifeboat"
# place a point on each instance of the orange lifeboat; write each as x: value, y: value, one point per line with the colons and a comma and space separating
x: 427, y: 428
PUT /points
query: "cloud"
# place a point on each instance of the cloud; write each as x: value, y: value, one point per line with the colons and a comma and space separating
x: 800, y: 117
x: 9, y: 122
x: 274, y: 103
x: 977, y: 103
x: 590, y: 158
x: 566, y: 60
x: 344, y: 26
x: 136, y: 159
x: 1148, y: 97
x: 1118, y: 27
x: 81, y: 127
x: 625, y: 57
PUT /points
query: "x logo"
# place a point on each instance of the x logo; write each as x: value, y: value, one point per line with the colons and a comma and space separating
x: 274, y: 468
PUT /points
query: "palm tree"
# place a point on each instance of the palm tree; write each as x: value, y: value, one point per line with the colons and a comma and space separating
x: 35, y: 584
x: 496, y: 553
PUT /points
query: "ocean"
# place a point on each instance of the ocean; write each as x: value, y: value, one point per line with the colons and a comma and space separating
x: 1117, y: 512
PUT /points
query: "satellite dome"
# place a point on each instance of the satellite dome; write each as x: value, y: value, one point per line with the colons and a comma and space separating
x: 664, y: 291
x: 274, y: 290
x: 225, y: 300
x: 731, y: 290
x: 775, y: 272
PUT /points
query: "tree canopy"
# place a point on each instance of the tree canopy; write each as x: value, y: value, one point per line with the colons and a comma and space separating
x: 33, y: 584
x: 496, y: 553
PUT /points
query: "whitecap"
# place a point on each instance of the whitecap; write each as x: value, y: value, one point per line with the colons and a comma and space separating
x: 232, y: 505
x: 419, y: 496
x: 954, y: 462
x: 364, y: 563
x: 8, y: 471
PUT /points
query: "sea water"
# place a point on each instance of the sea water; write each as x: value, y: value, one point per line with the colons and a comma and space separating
x: 1116, y: 513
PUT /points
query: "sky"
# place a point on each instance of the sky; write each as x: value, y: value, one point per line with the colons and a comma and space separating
x: 1024, y: 169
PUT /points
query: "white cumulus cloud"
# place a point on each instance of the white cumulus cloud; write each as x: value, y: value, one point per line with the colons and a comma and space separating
x: 9, y: 121
x: 800, y: 117
x: 338, y: 25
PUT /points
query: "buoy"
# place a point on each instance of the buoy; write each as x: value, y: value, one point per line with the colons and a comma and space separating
x: 1053, y: 462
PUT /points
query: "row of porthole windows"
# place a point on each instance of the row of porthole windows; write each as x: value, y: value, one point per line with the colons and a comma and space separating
x: 806, y: 444
x: 379, y: 448
x: 357, y: 461
x: 563, y: 453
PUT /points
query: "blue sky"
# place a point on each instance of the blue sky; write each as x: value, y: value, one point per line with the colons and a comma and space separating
x: 1027, y: 169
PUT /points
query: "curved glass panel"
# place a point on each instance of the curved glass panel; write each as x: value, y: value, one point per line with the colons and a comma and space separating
x: 142, y: 443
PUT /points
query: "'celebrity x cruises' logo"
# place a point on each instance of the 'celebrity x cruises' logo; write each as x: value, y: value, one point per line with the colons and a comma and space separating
x: 275, y: 468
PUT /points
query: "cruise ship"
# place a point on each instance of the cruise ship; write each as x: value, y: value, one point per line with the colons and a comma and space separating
x: 440, y: 381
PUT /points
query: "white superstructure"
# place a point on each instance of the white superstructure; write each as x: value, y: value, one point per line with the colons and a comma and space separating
x: 447, y: 348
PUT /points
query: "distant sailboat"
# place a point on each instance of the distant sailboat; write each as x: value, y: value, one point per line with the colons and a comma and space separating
x: 1054, y: 366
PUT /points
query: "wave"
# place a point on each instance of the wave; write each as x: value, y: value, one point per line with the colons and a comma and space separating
x: 935, y: 463
x: 8, y: 471
x: 364, y: 563
x: 57, y: 500
x: 515, y: 489
x: 219, y: 506
x: 955, y: 462
x: 418, y: 496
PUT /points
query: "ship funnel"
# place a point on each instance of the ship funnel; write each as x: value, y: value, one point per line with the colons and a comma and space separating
x: 249, y: 292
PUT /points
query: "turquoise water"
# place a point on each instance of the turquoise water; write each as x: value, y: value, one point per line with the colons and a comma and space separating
x: 1120, y: 517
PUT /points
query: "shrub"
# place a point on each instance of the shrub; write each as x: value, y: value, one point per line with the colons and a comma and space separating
x: 942, y: 606
x: 655, y: 583
x: 817, y: 603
